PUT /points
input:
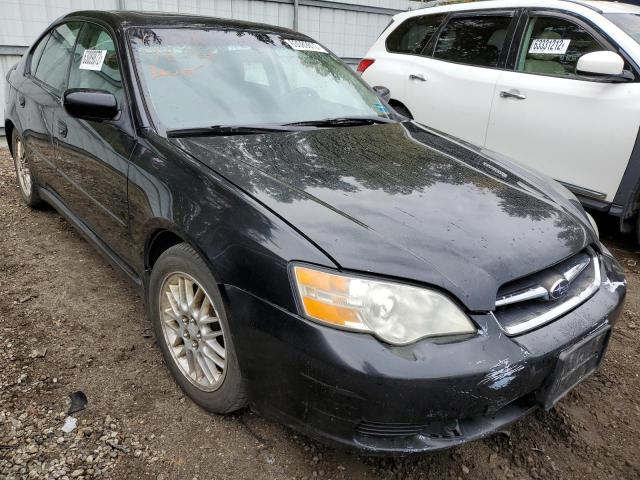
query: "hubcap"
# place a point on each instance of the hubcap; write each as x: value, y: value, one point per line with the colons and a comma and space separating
x: 22, y: 169
x: 193, y: 331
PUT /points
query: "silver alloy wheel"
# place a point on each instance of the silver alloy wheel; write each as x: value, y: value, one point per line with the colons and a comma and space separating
x: 193, y: 331
x: 22, y: 169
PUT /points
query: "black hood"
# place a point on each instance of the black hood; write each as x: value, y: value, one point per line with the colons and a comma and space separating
x: 402, y: 201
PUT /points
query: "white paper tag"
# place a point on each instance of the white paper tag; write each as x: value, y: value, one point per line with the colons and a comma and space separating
x: 305, y: 46
x: 92, y: 59
x: 549, y: 46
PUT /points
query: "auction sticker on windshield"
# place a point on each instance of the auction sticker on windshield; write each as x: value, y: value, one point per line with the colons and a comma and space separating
x: 549, y: 46
x: 305, y: 46
x: 92, y: 59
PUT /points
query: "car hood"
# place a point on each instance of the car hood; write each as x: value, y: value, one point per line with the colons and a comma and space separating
x: 403, y: 201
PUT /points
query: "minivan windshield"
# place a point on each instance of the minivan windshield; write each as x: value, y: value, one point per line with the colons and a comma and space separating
x: 629, y: 22
x: 199, y: 78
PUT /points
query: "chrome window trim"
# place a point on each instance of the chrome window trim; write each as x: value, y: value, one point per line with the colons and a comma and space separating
x: 564, y: 307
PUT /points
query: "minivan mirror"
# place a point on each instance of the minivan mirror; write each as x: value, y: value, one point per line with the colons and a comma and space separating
x: 601, y: 63
x: 383, y: 92
x: 90, y: 104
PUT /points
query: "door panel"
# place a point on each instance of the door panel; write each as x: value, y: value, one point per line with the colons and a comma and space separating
x: 547, y: 116
x: 578, y: 132
x: 453, y: 90
x: 93, y: 157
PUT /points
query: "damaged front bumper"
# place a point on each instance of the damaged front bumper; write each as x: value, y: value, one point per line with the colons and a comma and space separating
x: 352, y: 390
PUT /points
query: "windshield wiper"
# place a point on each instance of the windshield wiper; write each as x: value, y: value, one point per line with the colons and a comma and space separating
x: 342, y: 122
x: 226, y: 130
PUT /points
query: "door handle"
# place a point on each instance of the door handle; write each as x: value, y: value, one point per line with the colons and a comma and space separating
x: 62, y: 128
x: 417, y: 76
x: 21, y: 100
x: 513, y: 94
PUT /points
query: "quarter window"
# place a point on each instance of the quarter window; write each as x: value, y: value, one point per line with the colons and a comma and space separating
x: 474, y: 40
x: 413, y: 34
x: 53, y: 66
x: 552, y: 46
x: 37, y: 53
x: 98, y: 69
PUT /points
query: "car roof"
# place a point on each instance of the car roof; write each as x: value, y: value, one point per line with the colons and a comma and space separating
x: 600, y: 6
x: 119, y: 19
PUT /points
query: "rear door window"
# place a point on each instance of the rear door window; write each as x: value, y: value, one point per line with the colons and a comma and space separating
x: 473, y: 39
x: 413, y: 34
x: 53, y: 66
x: 552, y: 46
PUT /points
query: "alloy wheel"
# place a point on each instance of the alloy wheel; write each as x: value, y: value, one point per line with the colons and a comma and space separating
x: 22, y: 169
x: 193, y: 331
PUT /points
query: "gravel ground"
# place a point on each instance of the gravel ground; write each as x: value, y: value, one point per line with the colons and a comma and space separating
x: 69, y: 322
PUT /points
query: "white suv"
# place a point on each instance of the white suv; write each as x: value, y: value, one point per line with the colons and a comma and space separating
x: 553, y: 84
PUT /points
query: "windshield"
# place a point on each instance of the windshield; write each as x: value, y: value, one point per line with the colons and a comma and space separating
x: 629, y: 22
x: 198, y: 78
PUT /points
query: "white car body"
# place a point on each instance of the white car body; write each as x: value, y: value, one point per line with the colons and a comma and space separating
x: 581, y: 132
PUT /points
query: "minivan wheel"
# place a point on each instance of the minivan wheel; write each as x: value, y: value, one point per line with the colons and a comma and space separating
x: 26, y: 182
x: 192, y: 330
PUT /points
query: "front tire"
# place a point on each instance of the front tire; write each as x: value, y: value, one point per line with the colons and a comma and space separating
x: 192, y: 329
x: 24, y: 176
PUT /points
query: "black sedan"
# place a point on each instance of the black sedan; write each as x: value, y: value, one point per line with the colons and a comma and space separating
x: 300, y: 247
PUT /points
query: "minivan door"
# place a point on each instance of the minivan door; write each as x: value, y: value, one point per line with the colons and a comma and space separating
x: 450, y: 87
x: 93, y: 156
x: 576, y: 129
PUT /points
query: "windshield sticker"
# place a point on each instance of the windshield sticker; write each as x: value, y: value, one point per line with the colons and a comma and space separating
x: 380, y: 108
x: 92, y: 59
x: 305, y: 46
x: 549, y: 46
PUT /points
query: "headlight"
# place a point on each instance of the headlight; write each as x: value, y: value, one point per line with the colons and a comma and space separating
x: 593, y: 224
x: 398, y: 314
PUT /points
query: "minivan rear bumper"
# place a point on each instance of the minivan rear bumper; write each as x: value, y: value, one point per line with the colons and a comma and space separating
x: 352, y: 390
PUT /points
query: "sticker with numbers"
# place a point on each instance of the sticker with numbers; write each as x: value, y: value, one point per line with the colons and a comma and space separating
x: 92, y: 59
x: 305, y: 46
x: 549, y: 46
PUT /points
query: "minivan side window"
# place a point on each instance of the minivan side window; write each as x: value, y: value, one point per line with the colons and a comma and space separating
x: 476, y: 40
x: 53, y: 66
x: 552, y: 46
x: 413, y: 34
x: 95, y: 62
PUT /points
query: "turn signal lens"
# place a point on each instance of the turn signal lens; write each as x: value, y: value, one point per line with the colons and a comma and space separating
x: 364, y: 64
x: 398, y: 314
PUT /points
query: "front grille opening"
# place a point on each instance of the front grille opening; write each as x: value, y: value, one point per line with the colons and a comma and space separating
x: 535, y: 300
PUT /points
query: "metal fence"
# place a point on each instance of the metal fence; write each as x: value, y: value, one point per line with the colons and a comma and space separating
x: 347, y: 27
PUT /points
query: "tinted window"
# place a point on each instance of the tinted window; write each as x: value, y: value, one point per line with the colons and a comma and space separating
x: 104, y: 72
x: 474, y: 40
x: 413, y: 34
x: 552, y: 46
x: 54, y: 63
x: 37, y: 53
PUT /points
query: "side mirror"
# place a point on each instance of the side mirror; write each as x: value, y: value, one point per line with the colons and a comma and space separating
x: 601, y: 63
x: 90, y: 104
x: 383, y: 92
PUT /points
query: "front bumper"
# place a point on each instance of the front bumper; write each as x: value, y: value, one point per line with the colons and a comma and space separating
x: 352, y: 390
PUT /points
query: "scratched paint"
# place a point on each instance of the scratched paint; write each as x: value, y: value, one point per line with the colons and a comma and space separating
x: 501, y: 374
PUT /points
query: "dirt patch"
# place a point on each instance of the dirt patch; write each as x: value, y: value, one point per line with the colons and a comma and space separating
x: 69, y: 322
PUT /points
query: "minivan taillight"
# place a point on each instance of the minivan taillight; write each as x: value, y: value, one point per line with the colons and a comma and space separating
x: 364, y: 64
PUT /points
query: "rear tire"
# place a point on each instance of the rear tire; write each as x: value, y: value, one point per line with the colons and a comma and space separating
x: 192, y: 329
x: 26, y: 181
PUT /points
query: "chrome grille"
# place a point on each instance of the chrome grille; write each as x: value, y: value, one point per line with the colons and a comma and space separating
x: 535, y: 300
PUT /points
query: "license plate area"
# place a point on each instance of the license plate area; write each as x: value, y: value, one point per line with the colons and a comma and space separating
x: 574, y: 365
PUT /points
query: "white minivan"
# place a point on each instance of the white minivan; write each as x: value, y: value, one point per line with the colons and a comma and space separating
x: 553, y: 84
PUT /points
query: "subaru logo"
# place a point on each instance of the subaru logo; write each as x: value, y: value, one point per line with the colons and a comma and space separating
x: 559, y: 289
